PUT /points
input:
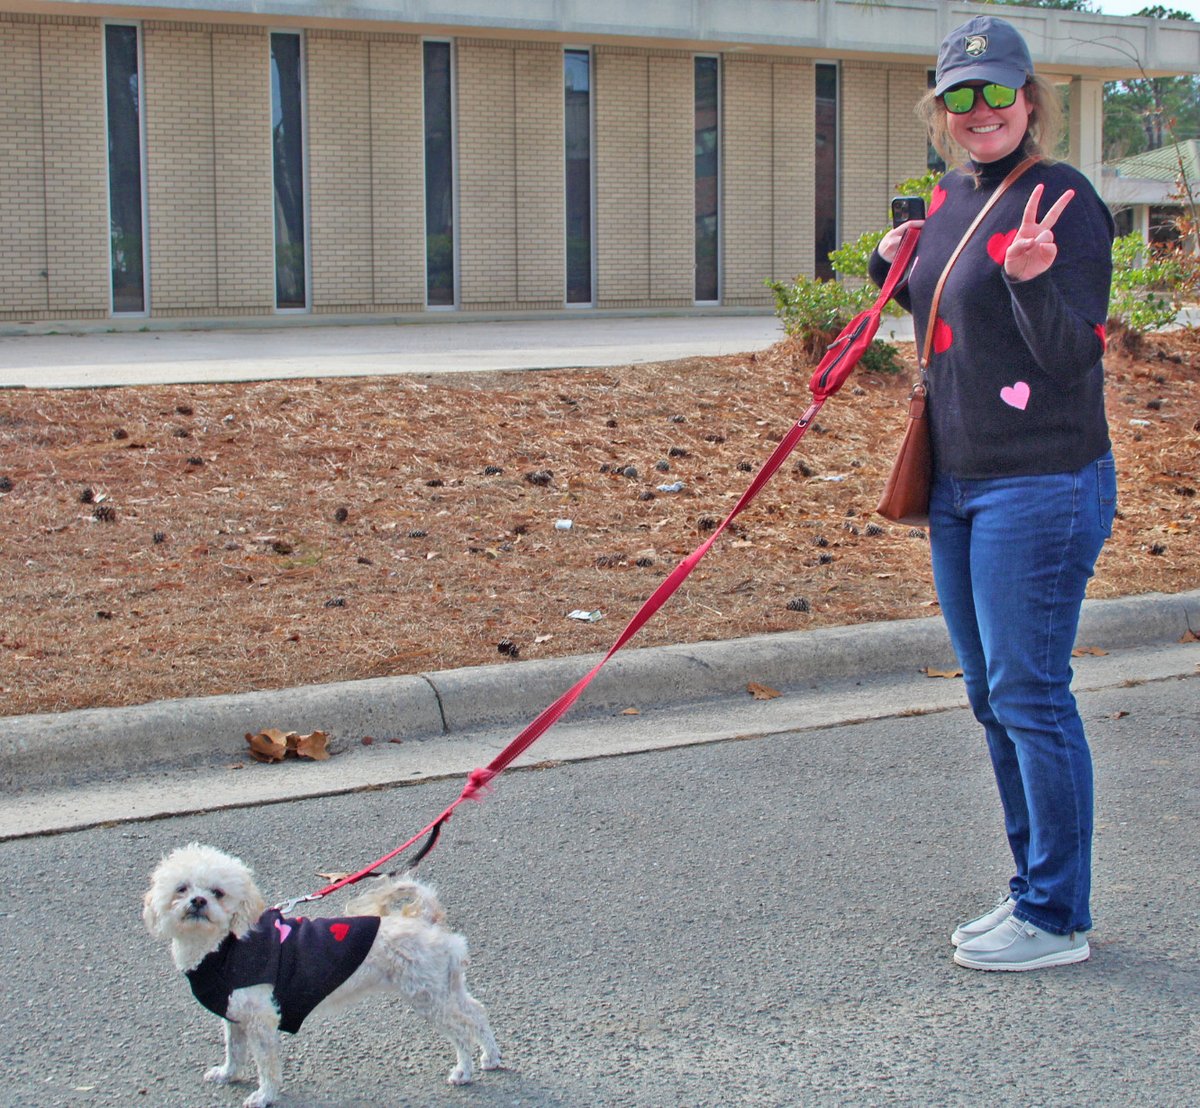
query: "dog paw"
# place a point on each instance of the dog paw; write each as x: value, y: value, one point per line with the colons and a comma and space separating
x: 220, y: 1075
x: 460, y: 1075
x: 258, y: 1099
x: 491, y: 1061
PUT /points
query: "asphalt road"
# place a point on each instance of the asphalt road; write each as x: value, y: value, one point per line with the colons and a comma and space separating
x: 756, y: 922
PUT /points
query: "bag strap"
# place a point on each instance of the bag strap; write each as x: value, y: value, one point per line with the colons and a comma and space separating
x: 1001, y: 189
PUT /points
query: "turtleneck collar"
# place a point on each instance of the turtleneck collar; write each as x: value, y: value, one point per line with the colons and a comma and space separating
x: 992, y: 173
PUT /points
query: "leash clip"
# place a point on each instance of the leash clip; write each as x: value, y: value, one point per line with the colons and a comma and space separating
x: 286, y: 907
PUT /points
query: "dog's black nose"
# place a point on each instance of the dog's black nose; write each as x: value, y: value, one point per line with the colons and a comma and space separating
x: 198, y: 902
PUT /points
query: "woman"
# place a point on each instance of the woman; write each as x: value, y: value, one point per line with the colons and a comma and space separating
x: 1024, y: 489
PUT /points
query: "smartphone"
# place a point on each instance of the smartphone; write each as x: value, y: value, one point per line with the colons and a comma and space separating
x: 905, y: 208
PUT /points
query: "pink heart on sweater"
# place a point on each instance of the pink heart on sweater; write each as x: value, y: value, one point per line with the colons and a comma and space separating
x: 1015, y: 396
x: 284, y: 929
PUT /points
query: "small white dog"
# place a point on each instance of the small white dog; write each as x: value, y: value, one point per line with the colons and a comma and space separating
x: 264, y: 973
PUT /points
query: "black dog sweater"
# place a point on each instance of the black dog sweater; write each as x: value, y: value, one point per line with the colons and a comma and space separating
x: 302, y: 960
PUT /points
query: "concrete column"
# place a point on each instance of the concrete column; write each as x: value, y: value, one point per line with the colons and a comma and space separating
x: 1087, y: 127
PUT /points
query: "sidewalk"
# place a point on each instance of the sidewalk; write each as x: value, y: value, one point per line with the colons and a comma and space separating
x: 337, y: 348
x: 173, y: 756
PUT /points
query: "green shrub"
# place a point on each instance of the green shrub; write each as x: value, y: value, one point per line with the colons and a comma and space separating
x: 814, y: 311
x: 1145, y: 285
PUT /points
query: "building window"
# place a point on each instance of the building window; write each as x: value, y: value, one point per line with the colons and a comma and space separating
x: 577, y: 127
x: 287, y: 146
x: 439, y: 176
x: 826, y: 166
x: 708, y: 163
x: 125, y: 206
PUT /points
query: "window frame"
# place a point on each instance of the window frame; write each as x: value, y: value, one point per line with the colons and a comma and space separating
x: 455, y: 216
x: 593, y: 269
x: 719, y: 181
x: 306, y: 202
x: 143, y: 179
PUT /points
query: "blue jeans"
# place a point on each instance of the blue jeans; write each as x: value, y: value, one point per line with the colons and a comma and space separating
x: 1011, y: 560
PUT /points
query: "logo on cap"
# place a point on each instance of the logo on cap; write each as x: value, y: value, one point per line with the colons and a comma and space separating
x: 975, y: 45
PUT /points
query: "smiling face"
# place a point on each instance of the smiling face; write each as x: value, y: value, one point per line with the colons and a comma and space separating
x: 989, y: 134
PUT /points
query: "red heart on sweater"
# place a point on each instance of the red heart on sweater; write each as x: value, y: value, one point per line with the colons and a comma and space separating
x: 943, y: 337
x: 936, y: 199
x: 339, y: 931
x: 998, y: 245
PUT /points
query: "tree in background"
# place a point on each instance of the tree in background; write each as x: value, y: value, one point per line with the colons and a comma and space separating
x: 1146, y: 113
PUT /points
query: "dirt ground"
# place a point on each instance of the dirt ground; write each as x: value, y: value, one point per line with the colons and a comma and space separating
x: 183, y: 541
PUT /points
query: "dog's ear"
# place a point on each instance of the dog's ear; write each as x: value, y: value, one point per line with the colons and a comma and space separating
x: 150, y: 914
x: 249, y: 908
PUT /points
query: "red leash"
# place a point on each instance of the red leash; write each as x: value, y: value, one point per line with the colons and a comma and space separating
x: 829, y: 376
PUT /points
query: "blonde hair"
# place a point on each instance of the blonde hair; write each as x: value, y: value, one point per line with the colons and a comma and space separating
x: 1045, y: 122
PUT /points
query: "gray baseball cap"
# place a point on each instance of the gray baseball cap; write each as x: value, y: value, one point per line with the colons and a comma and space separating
x: 983, y: 49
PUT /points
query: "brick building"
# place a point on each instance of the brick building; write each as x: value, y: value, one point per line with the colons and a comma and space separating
x: 209, y: 159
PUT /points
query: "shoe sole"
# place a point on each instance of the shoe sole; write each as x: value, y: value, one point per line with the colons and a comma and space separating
x: 1060, y: 958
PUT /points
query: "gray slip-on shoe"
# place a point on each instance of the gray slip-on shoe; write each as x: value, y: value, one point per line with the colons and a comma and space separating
x: 1018, y: 945
x: 981, y: 925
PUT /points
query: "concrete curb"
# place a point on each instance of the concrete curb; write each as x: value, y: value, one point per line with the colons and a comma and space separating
x: 59, y: 749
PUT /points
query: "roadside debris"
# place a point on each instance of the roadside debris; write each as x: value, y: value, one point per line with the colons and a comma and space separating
x: 272, y: 745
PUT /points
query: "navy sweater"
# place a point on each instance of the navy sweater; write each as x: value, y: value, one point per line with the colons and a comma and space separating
x: 1015, y: 380
x: 302, y: 960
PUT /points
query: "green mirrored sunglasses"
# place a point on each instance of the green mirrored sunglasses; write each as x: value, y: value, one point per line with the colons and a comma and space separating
x: 961, y: 100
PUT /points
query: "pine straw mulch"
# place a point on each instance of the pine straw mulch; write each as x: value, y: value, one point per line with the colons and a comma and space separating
x: 183, y: 541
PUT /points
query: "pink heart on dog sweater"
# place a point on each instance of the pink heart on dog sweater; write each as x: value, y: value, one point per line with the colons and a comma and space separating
x: 1015, y: 396
x: 284, y: 929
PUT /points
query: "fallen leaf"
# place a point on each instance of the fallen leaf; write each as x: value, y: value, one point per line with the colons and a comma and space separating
x: 1080, y: 651
x: 930, y: 672
x: 1190, y: 636
x: 272, y: 745
x: 631, y: 712
x: 267, y: 746
x: 762, y: 692
x: 1118, y: 715
x: 313, y: 745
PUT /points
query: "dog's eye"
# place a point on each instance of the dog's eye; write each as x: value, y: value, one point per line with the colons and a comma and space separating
x: 219, y: 893
x: 181, y: 889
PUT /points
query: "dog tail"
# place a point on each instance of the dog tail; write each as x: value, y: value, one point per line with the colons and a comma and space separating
x: 413, y: 897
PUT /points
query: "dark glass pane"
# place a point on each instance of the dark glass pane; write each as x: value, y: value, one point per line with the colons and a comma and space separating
x: 287, y: 143
x: 578, y: 81
x: 439, y: 176
x: 826, y: 164
x: 124, y: 169
x: 707, y: 161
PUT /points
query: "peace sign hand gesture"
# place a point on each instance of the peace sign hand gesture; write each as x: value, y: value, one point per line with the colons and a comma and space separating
x: 1033, y: 250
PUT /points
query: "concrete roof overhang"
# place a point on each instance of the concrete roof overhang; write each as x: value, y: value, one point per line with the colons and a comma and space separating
x: 1064, y: 44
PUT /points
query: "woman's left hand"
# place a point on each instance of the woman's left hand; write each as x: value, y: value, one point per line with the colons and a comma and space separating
x: 1033, y: 250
